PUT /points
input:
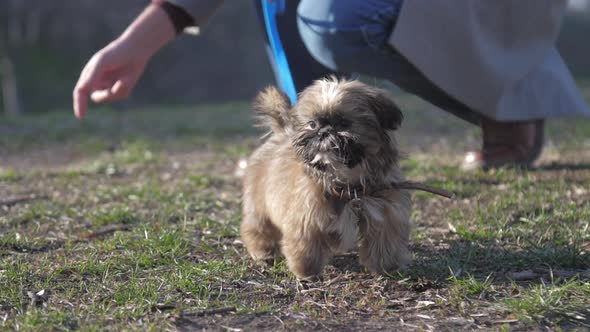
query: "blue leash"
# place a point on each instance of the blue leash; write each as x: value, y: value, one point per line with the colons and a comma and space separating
x: 270, y: 10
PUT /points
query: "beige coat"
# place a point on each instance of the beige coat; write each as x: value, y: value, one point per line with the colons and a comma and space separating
x: 496, y: 56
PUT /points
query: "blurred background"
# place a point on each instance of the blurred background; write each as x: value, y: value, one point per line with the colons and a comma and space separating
x: 44, y: 45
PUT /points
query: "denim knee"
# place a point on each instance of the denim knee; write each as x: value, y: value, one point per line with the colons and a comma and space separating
x: 352, y: 36
x: 341, y: 33
x: 316, y: 36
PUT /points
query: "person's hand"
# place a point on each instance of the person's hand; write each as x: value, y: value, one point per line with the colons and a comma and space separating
x: 111, y: 74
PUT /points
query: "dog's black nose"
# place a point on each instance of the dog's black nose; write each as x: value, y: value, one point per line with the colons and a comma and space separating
x: 325, y: 131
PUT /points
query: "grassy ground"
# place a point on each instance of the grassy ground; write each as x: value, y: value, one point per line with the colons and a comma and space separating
x: 130, y: 221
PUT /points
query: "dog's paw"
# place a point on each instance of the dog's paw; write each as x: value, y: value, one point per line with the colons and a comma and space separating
x: 379, y: 265
x: 263, y: 257
x: 305, y: 268
x: 310, y: 281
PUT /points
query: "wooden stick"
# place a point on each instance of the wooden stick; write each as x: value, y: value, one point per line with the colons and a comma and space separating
x: 212, y: 311
x: 409, y: 185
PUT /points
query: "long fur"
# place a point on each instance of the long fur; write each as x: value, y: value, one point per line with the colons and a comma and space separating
x: 335, y: 138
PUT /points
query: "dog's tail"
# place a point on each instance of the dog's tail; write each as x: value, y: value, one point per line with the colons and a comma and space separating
x: 271, y: 107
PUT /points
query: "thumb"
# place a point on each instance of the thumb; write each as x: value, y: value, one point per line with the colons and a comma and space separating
x: 120, y: 90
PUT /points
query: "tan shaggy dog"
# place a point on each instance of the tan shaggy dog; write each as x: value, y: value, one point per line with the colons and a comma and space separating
x: 321, y: 182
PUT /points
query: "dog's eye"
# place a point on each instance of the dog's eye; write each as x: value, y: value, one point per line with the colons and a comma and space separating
x: 311, y: 125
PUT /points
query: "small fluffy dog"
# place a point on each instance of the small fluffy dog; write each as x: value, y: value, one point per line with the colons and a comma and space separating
x: 321, y: 183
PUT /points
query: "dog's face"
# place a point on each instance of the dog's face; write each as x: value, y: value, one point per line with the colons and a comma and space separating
x: 339, y: 129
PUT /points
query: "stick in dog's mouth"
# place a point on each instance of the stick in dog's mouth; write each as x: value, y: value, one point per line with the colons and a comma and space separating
x: 410, y: 185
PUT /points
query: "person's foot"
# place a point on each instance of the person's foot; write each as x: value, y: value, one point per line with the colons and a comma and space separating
x: 513, y: 144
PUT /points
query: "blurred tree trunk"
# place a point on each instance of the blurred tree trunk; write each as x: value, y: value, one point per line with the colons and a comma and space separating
x: 9, y: 86
x: 11, y: 36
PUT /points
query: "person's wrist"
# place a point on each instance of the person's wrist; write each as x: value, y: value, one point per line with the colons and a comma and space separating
x: 133, y: 46
x: 150, y: 32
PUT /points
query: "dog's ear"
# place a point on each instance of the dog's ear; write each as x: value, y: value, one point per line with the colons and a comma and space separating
x: 272, y: 109
x: 388, y: 114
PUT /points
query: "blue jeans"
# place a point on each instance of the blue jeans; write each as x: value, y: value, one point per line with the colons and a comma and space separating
x: 350, y: 36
